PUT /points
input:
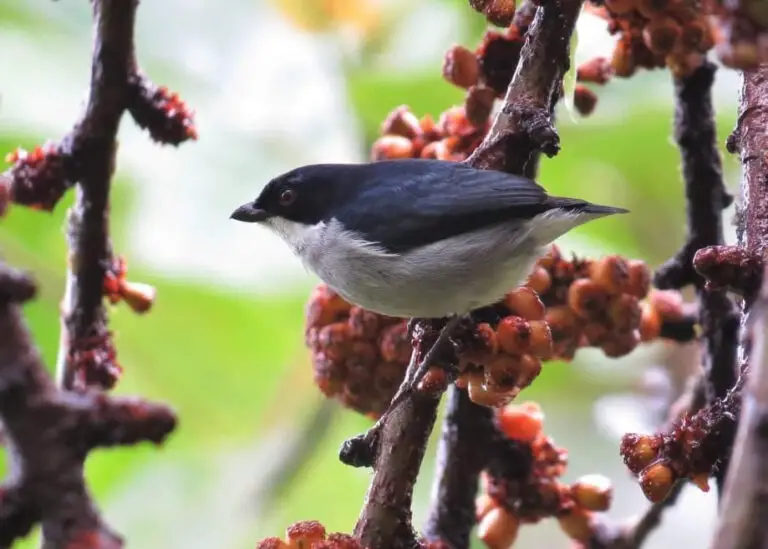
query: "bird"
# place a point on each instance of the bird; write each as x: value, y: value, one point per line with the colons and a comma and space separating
x: 416, y: 238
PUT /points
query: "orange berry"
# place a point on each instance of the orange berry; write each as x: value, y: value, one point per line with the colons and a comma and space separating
x: 479, y: 105
x: 303, y: 534
x: 548, y: 260
x: 272, y: 543
x: 401, y: 121
x: 483, y: 505
x: 587, y: 298
x: 697, y: 35
x: 667, y: 303
x: 540, y: 280
x: 502, y: 373
x: 639, y: 282
x: 325, y: 306
x: 394, y: 345
x: 460, y: 67
x: 611, y: 272
x: 593, y: 492
x: 740, y: 55
x: 541, y: 344
x: 596, y: 71
x: 584, y: 100
x: 621, y: 344
x: 139, y: 297
x: 480, y: 394
x: 701, y: 480
x: 529, y: 369
x: 364, y: 323
x: 498, y: 529
x: 454, y: 122
x: 335, y: 340
x: 487, y: 337
x: 525, y: 302
x: 391, y: 147
x: 656, y: 480
x: 650, y: 323
x: 577, y: 524
x: 639, y: 451
x: 523, y: 422
x: 561, y: 320
x: 514, y: 335
x: 623, y: 59
x: 624, y: 313
x: 653, y: 9
x: 662, y: 35
x: 596, y: 333
x: 620, y: 7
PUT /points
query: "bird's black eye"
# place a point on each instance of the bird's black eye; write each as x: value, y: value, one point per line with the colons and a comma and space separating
x: 287, y: 197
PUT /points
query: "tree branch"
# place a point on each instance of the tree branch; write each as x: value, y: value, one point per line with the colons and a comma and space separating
x: 463, y: 453
x: 93, y: 143
x: 398, y: 447
x: 524, y: 126
x: 519, y: 133
x: 50, y: 435
x: 742, y: 524
x: 706, y: 197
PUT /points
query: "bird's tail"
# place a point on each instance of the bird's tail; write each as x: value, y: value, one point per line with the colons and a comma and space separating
x: 564, y: 214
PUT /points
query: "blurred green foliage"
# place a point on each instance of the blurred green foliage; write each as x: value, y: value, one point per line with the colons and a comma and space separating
x: 233, y: 365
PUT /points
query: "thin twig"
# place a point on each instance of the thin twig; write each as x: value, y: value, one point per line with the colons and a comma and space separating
x: 635, y: 533
x: 706, y: 197
x: 93, y: 143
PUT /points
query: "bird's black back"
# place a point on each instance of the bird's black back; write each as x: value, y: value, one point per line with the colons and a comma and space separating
x: 405, y: 204
x: 412, y: 203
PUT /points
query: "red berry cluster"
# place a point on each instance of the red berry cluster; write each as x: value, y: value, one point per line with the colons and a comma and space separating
x: 453, y: 137
x: 515, y: 497
x: 161, y: 112
x: 677, y: 34
x: 310, y: 534
x: 658, y: 33
x: 743, y: 37
x: 359, y: 357
x: 496, y: 363
x: 37, y: 178
x: 498, y: 12
x: 690, y: 449
x: 138, y: 296
x: 484, y: 73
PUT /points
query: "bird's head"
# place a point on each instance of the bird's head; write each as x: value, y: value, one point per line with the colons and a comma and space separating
x: 304, y: 196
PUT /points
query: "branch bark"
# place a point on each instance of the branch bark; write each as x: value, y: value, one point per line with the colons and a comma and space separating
x: 467, y: 435
x: 398, y: 446
x: 742, y: 524
x: 521, y: 131
x: 50, y: 435
x: 524, y: 125
x: 706, y: 197
x: 93, y: 144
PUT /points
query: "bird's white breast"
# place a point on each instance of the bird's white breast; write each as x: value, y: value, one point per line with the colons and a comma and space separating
x: 454, y: 275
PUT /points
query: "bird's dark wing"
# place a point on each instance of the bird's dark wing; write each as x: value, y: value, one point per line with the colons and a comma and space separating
x: 418, y: 202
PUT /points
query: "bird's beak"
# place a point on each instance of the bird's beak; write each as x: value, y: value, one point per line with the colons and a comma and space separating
x: 249, y: 213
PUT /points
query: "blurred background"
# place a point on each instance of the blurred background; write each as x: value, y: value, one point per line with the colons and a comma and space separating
x: 278, y: 83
